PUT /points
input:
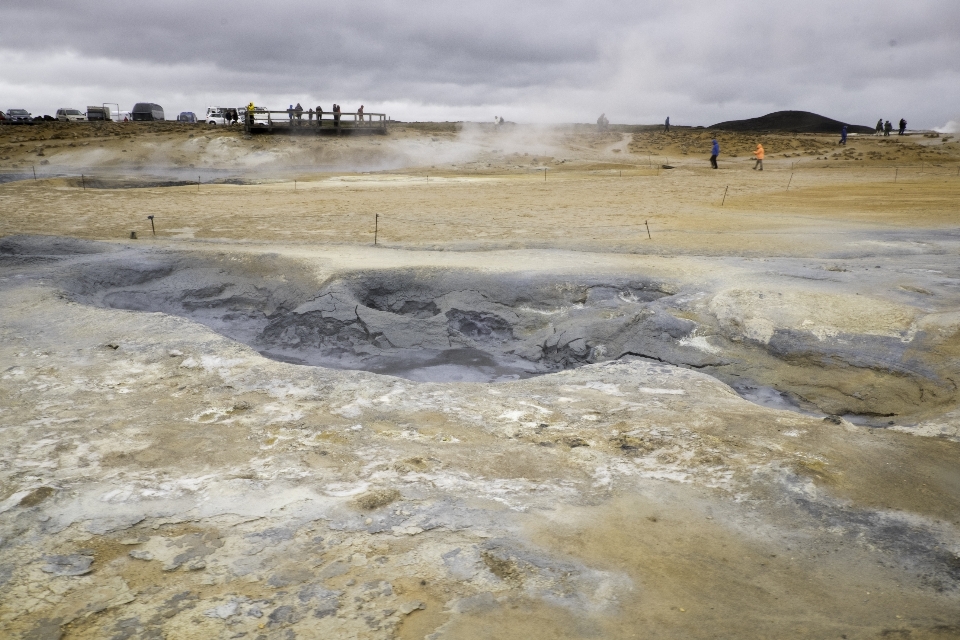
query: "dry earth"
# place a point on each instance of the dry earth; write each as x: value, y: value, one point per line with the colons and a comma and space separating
x: 745, y: 424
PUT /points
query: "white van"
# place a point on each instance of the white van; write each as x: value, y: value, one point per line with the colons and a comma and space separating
x: 70, y: 115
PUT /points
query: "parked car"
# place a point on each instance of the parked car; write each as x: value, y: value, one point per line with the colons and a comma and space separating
x: 70, y: 115
x: 187, y: 116
x: 222, y: 115
x: 19, y: 116
x: 145, y: 111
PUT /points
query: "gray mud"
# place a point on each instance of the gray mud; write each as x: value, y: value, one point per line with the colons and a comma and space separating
x: 470, y: 326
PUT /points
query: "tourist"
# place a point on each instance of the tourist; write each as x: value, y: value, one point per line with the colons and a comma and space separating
x: 758, y: 154
x: 843, y: 135
x: 360, y: 114
x: 298, y: 110
x: 714, y: 152
x: 887, y: 128
x: 880, y: 127
x: 903, y: 126
x: 336, y: 115
x: 666, y: 125
x: 319, y: 114
x: 250, y: 109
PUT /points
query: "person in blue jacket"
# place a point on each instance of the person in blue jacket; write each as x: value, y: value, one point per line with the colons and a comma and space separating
x: 843, y: 135
x: 714, y: 152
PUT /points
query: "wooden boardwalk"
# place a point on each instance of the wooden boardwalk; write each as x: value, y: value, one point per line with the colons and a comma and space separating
x: 312, y: 122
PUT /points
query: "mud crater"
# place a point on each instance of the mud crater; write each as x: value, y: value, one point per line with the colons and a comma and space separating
x: 473, y: 326
x: 424, y: 326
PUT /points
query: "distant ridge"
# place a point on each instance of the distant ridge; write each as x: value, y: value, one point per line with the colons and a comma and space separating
x: 791, y: 121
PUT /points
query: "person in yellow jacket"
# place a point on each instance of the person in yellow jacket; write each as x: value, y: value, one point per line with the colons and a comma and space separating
x: 759, y: 156
x: 250, y: 109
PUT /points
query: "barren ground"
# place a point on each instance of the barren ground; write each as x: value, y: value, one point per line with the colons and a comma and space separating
x: 744, y: 424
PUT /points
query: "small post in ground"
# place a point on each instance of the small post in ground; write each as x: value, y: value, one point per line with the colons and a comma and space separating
x: 294, y: 184
x: 376, y: 227
x: 34, y: 173
x: 544, y: 174
x: 649, y: 237
x: 83, y: 182
x: 724, y: 195
x: 198, y: 184
x: 788, y: 182
x: 896, y: 171
x: 152, y: 228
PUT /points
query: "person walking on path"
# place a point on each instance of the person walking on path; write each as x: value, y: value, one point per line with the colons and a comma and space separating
x: 903, y: 126
x: 758, y: 154
x: 887, y: 128
x: 843, y: 135
x: 714, y: 152
x: 360, y: 115
x: 666, y: 125
x: 880, y: 127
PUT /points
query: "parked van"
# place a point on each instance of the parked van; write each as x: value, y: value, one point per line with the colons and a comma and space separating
x: 98, y: 113
x: 187, y: 116
x: 70, y: 115
x: 147, y: 111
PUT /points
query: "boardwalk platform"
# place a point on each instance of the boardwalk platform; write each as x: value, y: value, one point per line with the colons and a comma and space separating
x: 311, y: 122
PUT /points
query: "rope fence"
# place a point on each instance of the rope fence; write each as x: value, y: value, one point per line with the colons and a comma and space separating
x: 385, y: 226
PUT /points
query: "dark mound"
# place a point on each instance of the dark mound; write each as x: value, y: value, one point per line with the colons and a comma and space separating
x: 791, y: 121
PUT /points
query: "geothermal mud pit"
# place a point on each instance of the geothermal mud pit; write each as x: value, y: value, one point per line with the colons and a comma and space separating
x: 581, y: 430
x: 163, y: 477
x: 462, y: 325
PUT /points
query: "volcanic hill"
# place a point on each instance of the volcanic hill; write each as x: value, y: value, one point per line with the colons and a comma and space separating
x: 792, y: 121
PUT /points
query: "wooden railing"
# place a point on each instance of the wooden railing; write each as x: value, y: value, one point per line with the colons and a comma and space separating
x: 268, y: 120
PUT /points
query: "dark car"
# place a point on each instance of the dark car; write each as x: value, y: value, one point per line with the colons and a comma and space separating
x: 146, y: 111
x: 187, y: 116
x: 19, y: 116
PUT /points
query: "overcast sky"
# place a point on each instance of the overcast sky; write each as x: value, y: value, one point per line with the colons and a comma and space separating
x: 637, y: 61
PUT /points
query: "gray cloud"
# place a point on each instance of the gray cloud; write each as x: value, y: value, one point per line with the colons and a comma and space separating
x: 536, y: 61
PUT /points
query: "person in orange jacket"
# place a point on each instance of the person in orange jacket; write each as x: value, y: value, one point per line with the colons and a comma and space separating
x: 759, y: 155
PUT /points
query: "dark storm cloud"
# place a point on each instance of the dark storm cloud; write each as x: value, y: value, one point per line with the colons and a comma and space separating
x: 698, y: 61
x: 494, y: 43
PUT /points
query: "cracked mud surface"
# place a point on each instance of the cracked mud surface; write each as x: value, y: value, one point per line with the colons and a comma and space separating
x: 744, y: 427
x: 801, y: 336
